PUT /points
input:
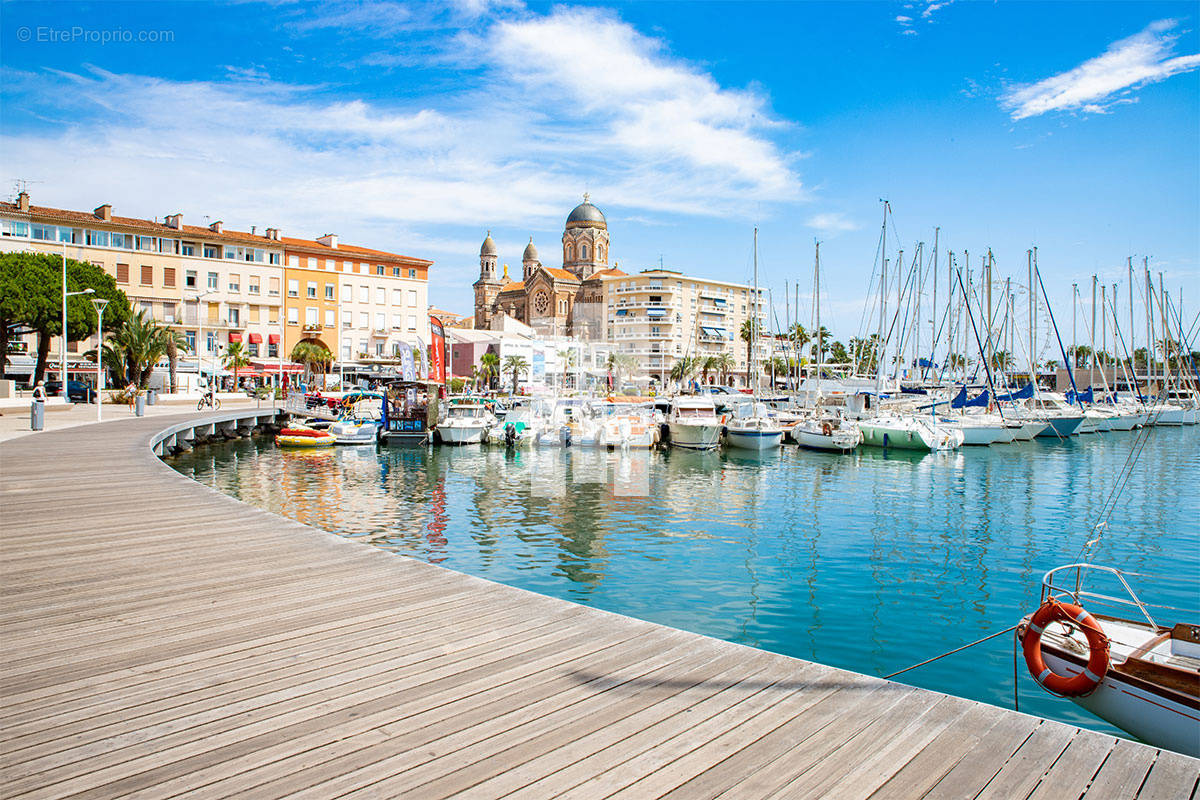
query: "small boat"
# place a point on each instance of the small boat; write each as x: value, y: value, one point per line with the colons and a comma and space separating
x: 909, y: 433
x: 517, y: 429
x: 693, y: 423
x: 361, y: 419
x: 1139, y: 675
x: 627, y: 425
x: 752, y: 428
x: 409, y: 410
x: 828, y: 433
x: 303, y: 436
x: 465, y: 423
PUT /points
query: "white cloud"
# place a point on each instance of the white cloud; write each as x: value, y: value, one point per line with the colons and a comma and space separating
x: 555, y: 112
x: 932, y: 8
x: 832, y: 222
x: 1106, y: 80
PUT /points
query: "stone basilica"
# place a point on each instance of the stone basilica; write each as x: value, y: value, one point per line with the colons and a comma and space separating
x: 555, y: 302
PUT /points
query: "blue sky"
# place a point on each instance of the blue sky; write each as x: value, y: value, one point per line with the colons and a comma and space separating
x: 418, y: 127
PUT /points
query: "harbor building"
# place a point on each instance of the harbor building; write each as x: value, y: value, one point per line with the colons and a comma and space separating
x: 214, y: 285
x: 362, y: 305
x: 656, y: 317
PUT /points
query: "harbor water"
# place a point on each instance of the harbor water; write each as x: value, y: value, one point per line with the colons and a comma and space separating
x: 869, y: 562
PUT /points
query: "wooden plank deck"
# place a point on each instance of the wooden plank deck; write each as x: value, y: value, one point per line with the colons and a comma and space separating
x: 160, y: 639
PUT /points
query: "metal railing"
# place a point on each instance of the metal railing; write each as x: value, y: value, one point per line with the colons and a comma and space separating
x: 1067, y: 581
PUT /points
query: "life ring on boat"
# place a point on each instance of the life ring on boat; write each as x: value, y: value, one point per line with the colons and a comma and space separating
x: 826, y: 429
x: 1087, y: 680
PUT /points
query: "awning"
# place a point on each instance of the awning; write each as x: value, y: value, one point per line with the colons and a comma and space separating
x: 256, y: 338
x: 235, y: 337
x: 273, y: 338
x: 622, y: 312
x: 718, y: 333
x: 656, y: 312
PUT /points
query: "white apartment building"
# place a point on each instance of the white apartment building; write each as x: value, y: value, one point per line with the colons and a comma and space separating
x: 660, y: 315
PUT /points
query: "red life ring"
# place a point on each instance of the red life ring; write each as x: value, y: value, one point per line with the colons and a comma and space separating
x: 1078, y: 685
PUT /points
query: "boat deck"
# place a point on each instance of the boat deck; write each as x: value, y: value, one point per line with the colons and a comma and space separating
x: 162, y: 639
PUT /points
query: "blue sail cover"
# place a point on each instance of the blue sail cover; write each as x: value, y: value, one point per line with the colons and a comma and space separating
x: 906, y: 390
x: 960, y: 400
x: 1082, y: 397
x: 926, y: 363
x: 1024, y: 393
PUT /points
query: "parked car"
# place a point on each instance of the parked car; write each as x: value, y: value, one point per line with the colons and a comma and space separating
x: 77, y: 391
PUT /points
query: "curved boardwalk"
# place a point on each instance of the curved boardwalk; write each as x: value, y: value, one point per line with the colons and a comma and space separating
x: 160, y: 639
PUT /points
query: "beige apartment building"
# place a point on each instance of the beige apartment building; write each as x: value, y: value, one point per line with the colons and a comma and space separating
x: 660, y: 315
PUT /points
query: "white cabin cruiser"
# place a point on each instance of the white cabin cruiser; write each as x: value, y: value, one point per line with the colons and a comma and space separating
x: 693, y: 423
x: 828, y: 432
x: 752, y: 428
x: 465, y: 423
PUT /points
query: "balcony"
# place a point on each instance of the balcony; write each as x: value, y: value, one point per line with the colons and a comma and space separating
x: 645, y: 288
x: 313, y: 328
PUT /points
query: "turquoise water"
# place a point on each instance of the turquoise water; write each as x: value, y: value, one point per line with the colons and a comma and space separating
x: 867, y: 562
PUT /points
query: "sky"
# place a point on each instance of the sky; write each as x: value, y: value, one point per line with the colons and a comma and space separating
x: 417, y: 128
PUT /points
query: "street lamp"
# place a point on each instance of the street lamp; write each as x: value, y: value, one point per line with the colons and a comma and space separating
x: 62, y: 344
x: 99, y: 303
x: 200, y: 342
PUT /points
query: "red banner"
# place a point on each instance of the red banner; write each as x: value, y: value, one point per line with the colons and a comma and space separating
x: 437, y: 350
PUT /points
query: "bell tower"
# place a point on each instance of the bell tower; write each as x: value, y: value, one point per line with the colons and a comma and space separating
x: 488, y: 285
x: 585, y: 240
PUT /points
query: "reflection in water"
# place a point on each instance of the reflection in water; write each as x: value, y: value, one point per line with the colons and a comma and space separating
x: 869, y: 562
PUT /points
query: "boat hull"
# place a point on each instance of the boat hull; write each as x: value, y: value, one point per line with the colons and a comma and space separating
x: 695, y: 437
x: 753, y: 439
x: 838, y: 442
x: 1063, y: 427
x: 461, y: 434
x: 304, y: 441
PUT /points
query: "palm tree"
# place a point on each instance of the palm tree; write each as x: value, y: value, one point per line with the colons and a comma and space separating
x: 140, y: 343
x: 956, y: 361
x: 819, y: 339
x: 313, y: 356
x: 235, y: 358
x: 724, y: 364
x: 568, y: 361
x: 516, y: 365
x: 710, y: 364
x: 748, y: 333
x: 684, y: 368
x: 798, y: 336
x: 621, y: 364
x: 489, y: 367
x: 175, y: 344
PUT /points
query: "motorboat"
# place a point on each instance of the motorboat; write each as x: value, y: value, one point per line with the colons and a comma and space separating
x: 410, y: 410
x: 568, y: 421
x: 465, y: 423
x: 909, y: 433
x: 517, y: 429
x: 628, y: 425
x: 361, y: 419
x: 1126, y: 667
x: 751, y: 427
x: 693, y: 423
x: 829, y: 433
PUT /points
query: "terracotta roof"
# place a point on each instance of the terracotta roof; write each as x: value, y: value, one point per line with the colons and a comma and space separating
x: 313, y: 246
x: 150, y: 226
x: 514, y: 286
x: 561, y: 274
x: 609, y: 273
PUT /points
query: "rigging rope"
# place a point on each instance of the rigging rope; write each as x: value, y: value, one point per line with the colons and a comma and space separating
x: 950, y: 652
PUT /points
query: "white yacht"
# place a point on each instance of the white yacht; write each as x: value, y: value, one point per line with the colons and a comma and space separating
x: 905, y: 432
x: 752, y: 428
x: 465, y: 423
x: 827, y: 432
x: 693, y: 423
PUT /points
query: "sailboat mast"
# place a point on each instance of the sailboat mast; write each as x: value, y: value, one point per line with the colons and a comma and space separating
x: 988, y: 321
x: 879, y: 348
x: 933, y: 305
x: 1092, y: 335
x: 1132, y: 344
x: 817, y: 307
x: 1033, y: 319
x: 754, y: 315
x: 1074, y: 321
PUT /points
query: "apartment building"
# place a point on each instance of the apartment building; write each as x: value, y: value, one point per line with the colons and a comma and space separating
x: 362, y: 305
x: 660, y: 315
x: 214, y: 285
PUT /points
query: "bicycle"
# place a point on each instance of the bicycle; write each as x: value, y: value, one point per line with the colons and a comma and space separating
x: 209, y: 400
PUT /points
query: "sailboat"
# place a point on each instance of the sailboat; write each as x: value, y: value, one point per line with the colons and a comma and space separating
x: 752, y: 427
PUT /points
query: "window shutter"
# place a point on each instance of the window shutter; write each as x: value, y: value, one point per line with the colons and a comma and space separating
x: 168, y: 276
x: 122, y: 273
x: 147, y: 275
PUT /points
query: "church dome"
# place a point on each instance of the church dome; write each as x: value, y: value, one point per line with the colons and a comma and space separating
x: 489, y: 247
x: 586, y: 215
x: 530, y: 251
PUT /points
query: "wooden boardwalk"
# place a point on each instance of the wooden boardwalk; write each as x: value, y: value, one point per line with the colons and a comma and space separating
x: 160, y: 639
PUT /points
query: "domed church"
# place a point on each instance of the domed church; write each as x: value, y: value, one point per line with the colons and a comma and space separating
x: 553, y: 301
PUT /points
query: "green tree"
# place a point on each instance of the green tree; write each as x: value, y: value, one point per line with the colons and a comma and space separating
x: 141, y: 342
x: 568, y: 360
x: 798, y: 336
x: 621, y: 365
x: 684, y: 369
x: 709, y: 364
x: 516, y: 366
x: 31, y: 301
x: 725, y: 365
x: 314, y: 356
x: 838, y: 354
x: 235, y: 358
x: 489, y: 368
x: 749, y: 333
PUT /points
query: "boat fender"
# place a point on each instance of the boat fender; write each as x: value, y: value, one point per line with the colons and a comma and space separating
x: 1086, y: 681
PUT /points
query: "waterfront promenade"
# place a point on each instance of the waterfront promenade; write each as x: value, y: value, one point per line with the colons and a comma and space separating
x: 163, y: 639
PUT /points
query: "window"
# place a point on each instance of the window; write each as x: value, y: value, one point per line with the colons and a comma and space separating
x: 412, y: 297
x: 169, y: 277
x: 347, y: 291
x: 379, y: 269
x: 275, y: 258
x: 235, y: 316
x: 293, y: 315
x: 330, y: 264
x: 293, y: 287
x: 235, y: 282
x: 396, y: 272
x: 210, y: 251
x: 190, y: 338
x: 254, y: 313
x: 412, y: 273
x: 397, y: 322
x: 379, y: 348
x: 346, y: 352
x: 312, y: 263
x: 274, y: 287
x: 583, y: 251
x: 97, y: 238
x: 147, y: 278
x: 330, y: 318
x: 380, y: 321
x: 329, y: 289
x: 147, y: 308
x: 347, y: 319
x: 310, y: 315
x: 364, y: 294
x: 211, y: 343
x: 362, y: 345
x: 253, y: 348
x: 212, y: 280
x: 10, y: 227
x: 230, y: 253
x: 187, y: 249
x: 364, y: 319
x: 412, y: 322
x: 293, y: 261
x: 147, y: 243
x: 167, y: 245
x: 397, y: 296
x: 272, y: 351
x: 252, y: 285
x: 381, y: 296
x: 312, y: 288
